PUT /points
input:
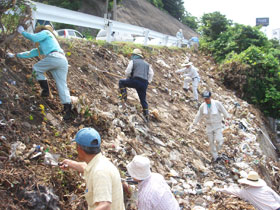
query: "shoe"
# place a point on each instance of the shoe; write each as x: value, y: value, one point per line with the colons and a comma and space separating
x: 67, y: 110
x: 146, y: 115
x: 186, y: 89
x: 123, y: 94
x: 45, y: 88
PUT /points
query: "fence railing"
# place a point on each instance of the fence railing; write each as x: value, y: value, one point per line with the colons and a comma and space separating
x: 61, y: 15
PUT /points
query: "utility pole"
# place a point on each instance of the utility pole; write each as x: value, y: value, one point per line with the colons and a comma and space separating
x: 106, y: 9
x: 115, y: 10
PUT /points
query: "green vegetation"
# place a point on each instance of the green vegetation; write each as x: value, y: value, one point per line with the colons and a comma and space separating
x: 157, y: 3
x: 12, y: 14
x: 249, y: 62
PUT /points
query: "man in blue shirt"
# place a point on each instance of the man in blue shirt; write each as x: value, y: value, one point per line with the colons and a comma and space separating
x: 54, y: 61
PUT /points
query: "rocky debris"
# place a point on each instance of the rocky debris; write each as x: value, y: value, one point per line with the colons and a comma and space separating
x: 180, y: 156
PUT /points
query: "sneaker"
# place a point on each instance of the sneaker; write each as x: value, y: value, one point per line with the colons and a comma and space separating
x: 186, y: 89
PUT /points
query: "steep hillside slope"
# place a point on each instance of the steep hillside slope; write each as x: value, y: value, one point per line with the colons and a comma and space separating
x: 140, y: 13
x: 143, y: 13
x: 94, y: 71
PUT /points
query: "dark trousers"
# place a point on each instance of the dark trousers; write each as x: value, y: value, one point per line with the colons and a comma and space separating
x: 141, y: 87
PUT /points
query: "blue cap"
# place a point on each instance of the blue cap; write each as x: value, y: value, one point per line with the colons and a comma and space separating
x: 206, y: 94
x: 88, y: 137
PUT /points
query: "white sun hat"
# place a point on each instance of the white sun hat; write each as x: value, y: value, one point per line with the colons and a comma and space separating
x: 187, y: 63
x: 252, y: 179
x: 139, y: 168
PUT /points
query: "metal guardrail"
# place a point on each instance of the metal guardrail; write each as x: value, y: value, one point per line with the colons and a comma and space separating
x: 61, y: 15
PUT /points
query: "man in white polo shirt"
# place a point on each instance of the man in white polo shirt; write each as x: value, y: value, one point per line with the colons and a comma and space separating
x: 103, y: 182
x: 153, y: 191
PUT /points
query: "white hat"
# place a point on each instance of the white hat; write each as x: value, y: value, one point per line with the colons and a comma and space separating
x: 187, y: 63
x: 139, y: 167
x: 137, y: 52
x: 252, y: 179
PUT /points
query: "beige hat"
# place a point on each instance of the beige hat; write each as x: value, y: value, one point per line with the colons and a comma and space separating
x: 137, y: 52
x: 252, y: 179
x: 187, y: 64
x: 139, y: 168
x: 44, y: 27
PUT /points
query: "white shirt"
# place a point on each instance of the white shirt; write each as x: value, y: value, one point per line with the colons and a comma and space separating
x: 189, y: 72
x: 129, y: 70
x: 213, y: 120
x: 262, y: 198
x: 155, y: 194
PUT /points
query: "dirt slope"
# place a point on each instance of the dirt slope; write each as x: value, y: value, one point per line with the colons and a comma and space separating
x: 143, y: 13
x: 181, y: 157
x: 140, y: 13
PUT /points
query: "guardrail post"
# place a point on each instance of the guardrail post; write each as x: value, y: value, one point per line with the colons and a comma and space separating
x: 165, y: 41
x: 109, y: 32
x: 146, y: 34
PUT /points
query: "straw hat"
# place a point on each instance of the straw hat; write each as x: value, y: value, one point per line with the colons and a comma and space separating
x: 252, y: 179
x: 44, y: 27
x: 186, y: 63
x: 137, y: 52
x: 139, y: 168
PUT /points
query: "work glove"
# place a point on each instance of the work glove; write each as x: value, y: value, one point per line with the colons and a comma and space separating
x: 10, y: 55
x: 216, y: 189
x: 20, y: 29
x: 191, y: 128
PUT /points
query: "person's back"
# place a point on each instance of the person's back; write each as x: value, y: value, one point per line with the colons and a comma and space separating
x: 140, y: 69
x: 101, y: 172
x: 155, y: 194
x: 262, y: 198
x: 194, y: 39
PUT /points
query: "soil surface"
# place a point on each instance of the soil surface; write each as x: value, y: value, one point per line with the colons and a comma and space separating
x: 140, y: 13
x: 94, y: 71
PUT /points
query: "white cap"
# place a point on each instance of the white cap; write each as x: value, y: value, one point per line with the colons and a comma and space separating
x: 139, y: 167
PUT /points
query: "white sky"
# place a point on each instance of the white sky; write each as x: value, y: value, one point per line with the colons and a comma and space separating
x: 240, y: 11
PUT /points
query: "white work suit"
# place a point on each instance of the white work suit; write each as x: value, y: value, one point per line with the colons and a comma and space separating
x: 191, y: 75
x: 213, y: 120
x: 180, y: 37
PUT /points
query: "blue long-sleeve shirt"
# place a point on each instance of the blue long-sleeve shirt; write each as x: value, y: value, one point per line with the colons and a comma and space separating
x: 47, y: 41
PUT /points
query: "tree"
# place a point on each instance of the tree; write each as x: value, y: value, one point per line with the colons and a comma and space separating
x: 237, y: 39
x: 175, y: 8
x: 157, y: 3
x: 213, y: 24
x: 67, y: 4
x: 190, y: 21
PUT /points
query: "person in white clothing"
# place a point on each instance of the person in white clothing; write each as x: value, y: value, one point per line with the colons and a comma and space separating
x: 180, y: 38
x: 191, y: 75
x: 212, y: 111
x: 153, y: 191
x: 256, y: 192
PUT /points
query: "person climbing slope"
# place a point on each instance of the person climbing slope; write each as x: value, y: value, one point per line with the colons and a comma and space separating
x: 54, y: 62
x: 139, y: 74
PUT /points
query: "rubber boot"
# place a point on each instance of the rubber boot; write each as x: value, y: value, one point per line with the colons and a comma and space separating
x: 146, y: 115
x: 67, y: 111
x: 123, y: 94
x: 45, y: 88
